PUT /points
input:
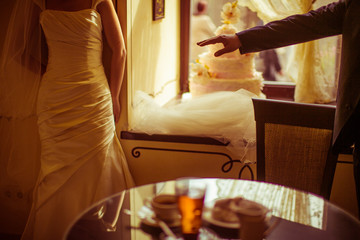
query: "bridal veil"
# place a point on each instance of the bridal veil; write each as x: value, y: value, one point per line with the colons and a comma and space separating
x: 20, y: 75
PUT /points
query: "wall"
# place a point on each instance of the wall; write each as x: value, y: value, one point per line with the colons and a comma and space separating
x: 153, y: 50
x: 154, y: 161
x: 343, y: 189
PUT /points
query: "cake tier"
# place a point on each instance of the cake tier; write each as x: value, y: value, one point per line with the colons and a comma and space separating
x: 241, y: 66
x: 200, y: 86
x: 227, y: 29
x: 216, y: 47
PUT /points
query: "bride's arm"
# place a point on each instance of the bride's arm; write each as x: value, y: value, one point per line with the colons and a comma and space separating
x: 116, y: 42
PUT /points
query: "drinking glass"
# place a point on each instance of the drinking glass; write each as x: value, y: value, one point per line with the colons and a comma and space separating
x: 190, y: 194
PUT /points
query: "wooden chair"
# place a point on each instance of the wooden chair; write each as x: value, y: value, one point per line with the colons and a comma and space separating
x: 294, y: 144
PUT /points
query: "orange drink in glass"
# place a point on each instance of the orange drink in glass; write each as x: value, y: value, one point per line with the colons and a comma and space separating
x: 190, y: 197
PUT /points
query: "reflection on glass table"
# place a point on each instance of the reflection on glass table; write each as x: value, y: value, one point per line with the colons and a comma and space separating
x: 300, y: 215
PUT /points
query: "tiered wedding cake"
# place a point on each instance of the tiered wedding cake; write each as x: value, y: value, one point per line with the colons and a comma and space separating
x: 229, y: 72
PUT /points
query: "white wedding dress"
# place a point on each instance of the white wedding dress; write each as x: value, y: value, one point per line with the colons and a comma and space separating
x: 82, y: 161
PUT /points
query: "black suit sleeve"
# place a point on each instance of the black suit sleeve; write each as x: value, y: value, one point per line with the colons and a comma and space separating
x: 323, y: 22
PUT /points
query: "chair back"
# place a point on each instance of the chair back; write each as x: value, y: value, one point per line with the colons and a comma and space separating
x: 294, y: 144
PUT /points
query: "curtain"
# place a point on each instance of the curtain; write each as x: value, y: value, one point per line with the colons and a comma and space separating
x: 312, y: 64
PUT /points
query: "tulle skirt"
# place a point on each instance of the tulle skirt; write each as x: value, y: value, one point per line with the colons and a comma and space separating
x: 226, y: 116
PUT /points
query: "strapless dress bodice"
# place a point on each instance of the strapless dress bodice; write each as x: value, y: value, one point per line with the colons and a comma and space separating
x: 74, y: 39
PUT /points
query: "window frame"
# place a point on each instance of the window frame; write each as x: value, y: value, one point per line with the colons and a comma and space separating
x: 184, y: 44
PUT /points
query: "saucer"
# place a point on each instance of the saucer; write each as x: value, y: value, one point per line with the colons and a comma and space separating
x: 149, y: 224
x: 207, y: 217
x: 148, y: 218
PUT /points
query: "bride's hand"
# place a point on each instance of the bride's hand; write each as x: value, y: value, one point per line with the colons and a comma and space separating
x: 116, y: 109
x: 231, y: 43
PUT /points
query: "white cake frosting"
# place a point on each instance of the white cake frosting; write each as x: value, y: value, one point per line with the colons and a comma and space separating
x: 228, y: 72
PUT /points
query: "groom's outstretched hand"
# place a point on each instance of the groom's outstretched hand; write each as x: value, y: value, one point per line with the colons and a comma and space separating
x: 230, y: 42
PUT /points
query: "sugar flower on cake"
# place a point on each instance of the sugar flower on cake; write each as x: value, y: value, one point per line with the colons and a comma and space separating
x: 226, y: 29
x: 230, y: 13
x: 200, y: 70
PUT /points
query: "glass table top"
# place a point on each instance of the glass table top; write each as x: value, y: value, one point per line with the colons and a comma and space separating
x: 302, y: 215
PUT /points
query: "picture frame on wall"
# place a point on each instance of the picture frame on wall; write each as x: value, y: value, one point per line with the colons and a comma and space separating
x: 158, y: 9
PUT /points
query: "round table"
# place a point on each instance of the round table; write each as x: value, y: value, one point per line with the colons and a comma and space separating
x: 301, y: 215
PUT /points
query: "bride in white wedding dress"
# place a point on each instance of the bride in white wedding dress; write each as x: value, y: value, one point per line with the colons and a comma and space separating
x: 81, y: 161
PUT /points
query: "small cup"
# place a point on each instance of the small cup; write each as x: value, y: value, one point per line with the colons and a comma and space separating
x: 254, y: 220
x: 165, y: 208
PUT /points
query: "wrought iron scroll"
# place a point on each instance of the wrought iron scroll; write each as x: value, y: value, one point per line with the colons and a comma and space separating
x: 226, y: 167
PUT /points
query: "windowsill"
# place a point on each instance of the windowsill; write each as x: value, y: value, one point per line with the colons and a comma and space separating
x: 128, y: 135
x: 279, y: 83
x: 279, y: 90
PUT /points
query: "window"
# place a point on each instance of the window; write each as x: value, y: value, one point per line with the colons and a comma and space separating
x: 158, y: 59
